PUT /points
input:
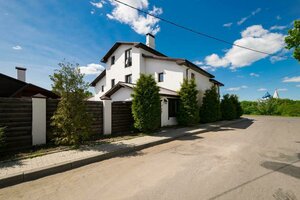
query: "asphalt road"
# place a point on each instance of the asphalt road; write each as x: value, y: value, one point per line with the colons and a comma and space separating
x: 256, y: 159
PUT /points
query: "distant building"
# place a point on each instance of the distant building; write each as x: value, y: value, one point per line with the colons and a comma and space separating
x: 18, y: 88
x: 266, y: 96
x: 276, y: 95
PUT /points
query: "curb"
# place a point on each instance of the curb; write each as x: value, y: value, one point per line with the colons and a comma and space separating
x: 30, y: 175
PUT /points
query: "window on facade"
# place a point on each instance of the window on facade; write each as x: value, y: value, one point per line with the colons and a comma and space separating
x: 112, y: 60
x: 102, y: 88
x: 161, y: 77
x: 192, y: 75
x: 173, y: 107
x: 112, y: 82
x: 128, y: 78
x: 128, y: 58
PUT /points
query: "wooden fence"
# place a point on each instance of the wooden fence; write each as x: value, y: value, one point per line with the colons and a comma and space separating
x: 94, y: 108
x: 16, y: 117
x: 122, y: 120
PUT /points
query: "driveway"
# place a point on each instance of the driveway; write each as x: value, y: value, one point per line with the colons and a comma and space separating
x: 255, y: 159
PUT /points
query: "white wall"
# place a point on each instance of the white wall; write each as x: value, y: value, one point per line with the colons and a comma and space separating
x: 123, y: 94
x: 202, y: 82
x: 98, y: 89
x: 173, y: 73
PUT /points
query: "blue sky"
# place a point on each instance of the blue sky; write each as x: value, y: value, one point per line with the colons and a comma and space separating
x: 39, y: 34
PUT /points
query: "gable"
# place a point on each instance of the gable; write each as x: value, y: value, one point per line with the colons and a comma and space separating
x: 9, y: 85
x: 135, y: 44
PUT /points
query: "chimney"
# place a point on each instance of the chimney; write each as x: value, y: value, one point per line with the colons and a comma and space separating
x: 150, y: 40
x: 21, y: 73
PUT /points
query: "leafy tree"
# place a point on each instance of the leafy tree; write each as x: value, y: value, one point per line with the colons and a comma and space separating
x: 71, y: 121
x: 228, y: 108
x: 2, y: 137
x: 146, y: 107
x: 188, y: 105
x: 237, y: 105
x: 293, y: 40
x: 210, y: 110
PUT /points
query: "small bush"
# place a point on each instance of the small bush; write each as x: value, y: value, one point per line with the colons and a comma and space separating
x: 188, y: 105
x: 210, y: 110
x: 146, y: 107
x: 228, y: 108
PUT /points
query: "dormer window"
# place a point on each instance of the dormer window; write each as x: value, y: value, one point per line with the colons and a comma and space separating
x: 128, y: 58
x: 161, y: 77
x: 192, y: 75
x: 128, y: 78
x: 112, y: 60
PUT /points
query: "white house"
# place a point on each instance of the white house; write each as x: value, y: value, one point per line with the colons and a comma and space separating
x: 125, y: 61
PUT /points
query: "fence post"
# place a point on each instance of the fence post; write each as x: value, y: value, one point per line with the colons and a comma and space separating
x: 38, y: 119
x: 107, y: 117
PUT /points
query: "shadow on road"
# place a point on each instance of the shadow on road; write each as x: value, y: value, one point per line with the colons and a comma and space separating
x: 288, y: 169
x: 242, y: 125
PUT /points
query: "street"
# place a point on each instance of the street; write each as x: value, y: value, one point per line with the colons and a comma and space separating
x: 255, y: 159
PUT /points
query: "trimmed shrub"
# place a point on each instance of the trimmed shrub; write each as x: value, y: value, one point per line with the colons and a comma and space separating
x: 228, y: 108
x: 146, y: 107
x: 237, y: 105
x: 71, y: 121
x: 188, y: 105
x: 210, y: 110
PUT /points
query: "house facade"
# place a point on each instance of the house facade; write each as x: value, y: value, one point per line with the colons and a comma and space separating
x: 125, y: 61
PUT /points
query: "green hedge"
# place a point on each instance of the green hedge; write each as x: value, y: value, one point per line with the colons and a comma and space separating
x: 280, y: 107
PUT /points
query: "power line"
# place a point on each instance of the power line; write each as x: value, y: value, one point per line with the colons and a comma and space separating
x: 192, y: 30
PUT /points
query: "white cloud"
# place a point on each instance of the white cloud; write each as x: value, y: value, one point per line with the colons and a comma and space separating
x: 208, y: 68
x: 97, y: 4
x: 243, y: 19
x: 276, y: 27
x: 275, y: 59
x: 141, y: 24
x: 255, y: 37
x: 261, y: 89
x: 237, y: 88
x: 228, y: 24
x: 91, y: 68
x: 282, y: 89
x: 198, y: 62
x: 254, y: 74
x: 256, y: 11
x: 17, y: 47
x: 279, y: 56
x: 295, y: 79
x: 92, y: 12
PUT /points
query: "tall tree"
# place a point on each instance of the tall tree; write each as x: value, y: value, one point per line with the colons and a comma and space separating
x: 188, y: 105
x: 293, y: 40
x: 238, y: 108
x: 228, y: 108
x: 210, y: 108
x: 71, y: 121
x: 146, y: 107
